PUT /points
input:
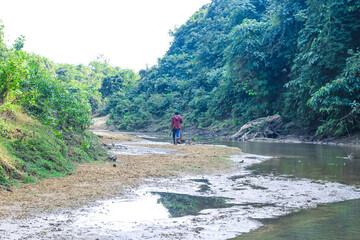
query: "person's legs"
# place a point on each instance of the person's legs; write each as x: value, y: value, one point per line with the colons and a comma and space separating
x: 174, y: 133
x: 177, y: 136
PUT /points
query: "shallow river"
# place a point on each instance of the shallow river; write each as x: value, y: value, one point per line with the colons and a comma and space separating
x: 339, y: 220
x: 317, y: 162
x: 279, y: 191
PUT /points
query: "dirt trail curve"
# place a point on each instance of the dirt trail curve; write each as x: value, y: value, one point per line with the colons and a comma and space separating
x: 101, y: 180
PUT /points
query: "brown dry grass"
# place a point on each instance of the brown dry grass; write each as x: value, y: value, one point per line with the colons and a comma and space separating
x: 100, y: 180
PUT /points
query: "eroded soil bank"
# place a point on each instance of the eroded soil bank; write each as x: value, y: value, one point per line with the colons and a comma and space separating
x: 102, y: 180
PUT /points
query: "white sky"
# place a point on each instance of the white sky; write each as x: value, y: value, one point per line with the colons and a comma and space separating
x: 131, y: 33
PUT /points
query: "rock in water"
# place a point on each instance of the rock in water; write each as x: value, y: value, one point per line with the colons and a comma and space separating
x: 266, y: 127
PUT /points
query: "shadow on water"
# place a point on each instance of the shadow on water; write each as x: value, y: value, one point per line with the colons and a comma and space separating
x: 328, y: 222
x: 180, y: 205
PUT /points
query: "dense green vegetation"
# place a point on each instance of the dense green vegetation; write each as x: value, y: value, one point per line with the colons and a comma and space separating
x: 237, y: 60
x: 45, y: 109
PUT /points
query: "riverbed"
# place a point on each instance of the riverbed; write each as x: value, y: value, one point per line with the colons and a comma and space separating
x: 273, y: 192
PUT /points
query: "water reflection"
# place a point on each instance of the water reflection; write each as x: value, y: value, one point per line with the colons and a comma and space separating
x: 123, y: 213
x: 180, y: 205
x: 328, y: 222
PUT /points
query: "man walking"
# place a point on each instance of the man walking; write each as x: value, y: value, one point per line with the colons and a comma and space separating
x: 176, y: 122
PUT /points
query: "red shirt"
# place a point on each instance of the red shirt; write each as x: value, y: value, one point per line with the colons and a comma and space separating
x: 176, y: 122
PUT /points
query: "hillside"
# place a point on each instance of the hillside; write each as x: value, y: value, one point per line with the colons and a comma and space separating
x: 234, y: 61
x: 44, y: 116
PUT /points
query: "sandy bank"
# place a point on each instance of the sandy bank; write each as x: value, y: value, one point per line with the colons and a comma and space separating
x: 101, y: 180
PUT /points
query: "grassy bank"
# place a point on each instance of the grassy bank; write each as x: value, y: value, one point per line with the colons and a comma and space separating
x: 30, y: 150
x: 44, y: 117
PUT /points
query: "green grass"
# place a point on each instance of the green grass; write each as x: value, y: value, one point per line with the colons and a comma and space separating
x: 36, y: 151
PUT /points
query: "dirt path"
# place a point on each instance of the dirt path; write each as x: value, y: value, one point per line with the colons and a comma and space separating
x: 101, y: 180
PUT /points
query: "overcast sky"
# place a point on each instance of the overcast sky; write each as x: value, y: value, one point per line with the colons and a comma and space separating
x: 131, y: 33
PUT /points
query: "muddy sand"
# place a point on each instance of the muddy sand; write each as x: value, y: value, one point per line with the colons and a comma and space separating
x: 106, y: 179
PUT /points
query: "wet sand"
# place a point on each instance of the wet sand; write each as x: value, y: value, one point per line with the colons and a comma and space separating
x: 103, y: 180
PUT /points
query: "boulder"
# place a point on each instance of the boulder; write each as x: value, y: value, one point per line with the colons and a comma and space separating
x: 266, y: 127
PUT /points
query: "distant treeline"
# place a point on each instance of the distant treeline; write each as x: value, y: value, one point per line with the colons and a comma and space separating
x: 237, y: 60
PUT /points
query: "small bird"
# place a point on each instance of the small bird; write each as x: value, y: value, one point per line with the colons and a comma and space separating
x: 114, y: 165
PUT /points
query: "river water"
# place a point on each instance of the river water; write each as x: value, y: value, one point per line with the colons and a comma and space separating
x: 316, y: 162
x: 278, y: 191
x: 340, y: 164
x: 312, y: 161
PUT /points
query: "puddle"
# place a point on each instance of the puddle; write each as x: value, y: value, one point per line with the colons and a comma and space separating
x: 180, y: 205
x: 124, y: 214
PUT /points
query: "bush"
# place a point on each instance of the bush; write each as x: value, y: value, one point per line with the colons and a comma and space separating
x: 339, y: 100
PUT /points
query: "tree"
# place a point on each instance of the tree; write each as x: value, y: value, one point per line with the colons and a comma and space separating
x: 339, y: 100
x: 19, y: 43
x: 331, y: 28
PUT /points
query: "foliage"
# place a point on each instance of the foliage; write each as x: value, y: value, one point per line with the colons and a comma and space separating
x: 19, y: 43
x: 51, y: 101
x: 185, y: 78
x: 339, y: 100
x: 12, y: 70
x: 42, y: 119
x: 236, y: 60
x: 123, y: 107
x: 86, y: 80
x: 94, y: 82
x: 330, y: 30
x: 199, y: 73
x: 122, y: 81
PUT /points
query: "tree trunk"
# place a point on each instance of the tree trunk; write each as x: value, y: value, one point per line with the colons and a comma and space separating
x: 266, y: 127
